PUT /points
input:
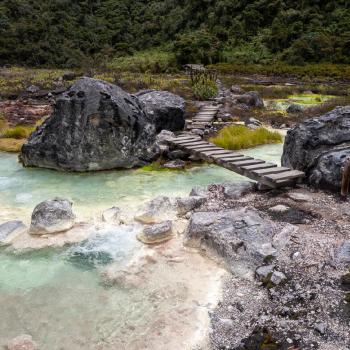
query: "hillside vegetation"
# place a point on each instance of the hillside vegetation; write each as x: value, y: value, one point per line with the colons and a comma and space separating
x: 92, y: 32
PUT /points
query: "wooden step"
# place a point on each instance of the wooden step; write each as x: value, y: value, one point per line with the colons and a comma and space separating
x: 229, y: 156
x: 259, y: 166
x: 217, y: 152
x: 264, y: 172
x: 240, y: 163
x: 190, y: 144
x: 181, y: 142
x: 202, y: 148
x: 286, y: 175
x: 229, y: 159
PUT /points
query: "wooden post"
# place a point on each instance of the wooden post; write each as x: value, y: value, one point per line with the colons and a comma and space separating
x: 345, y: 179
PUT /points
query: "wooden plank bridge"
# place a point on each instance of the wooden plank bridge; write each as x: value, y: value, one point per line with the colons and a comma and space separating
x: 268, y: 175
x: 203, y: 119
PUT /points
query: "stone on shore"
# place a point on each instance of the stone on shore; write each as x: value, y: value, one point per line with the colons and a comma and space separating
x: 52, y: 216
x: 10, y: 229
x: 187, y: 204
x: 251, y: 99
x: 22, y: 342
x: 240, y: 234
x: 166, y: 110
x: 176, y: 164
x: 320, y: 147
x: 95, y: 126
x: 157, y: 233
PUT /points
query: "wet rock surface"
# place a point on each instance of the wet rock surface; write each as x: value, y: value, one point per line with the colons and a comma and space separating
x: 10, y: 228
x: 52, y: 216
x: 320, y: 148
x: 95, y: 126
x: 22, y: 342
x: 156, y: 233
x: 166, y: 110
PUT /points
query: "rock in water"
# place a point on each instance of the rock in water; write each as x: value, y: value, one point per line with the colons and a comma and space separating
x: 157, y: 233
x: 13, y: 227
x: 320, y: 147
x: 166, y: 110
x: 52, y: 216
x: 95, y: 126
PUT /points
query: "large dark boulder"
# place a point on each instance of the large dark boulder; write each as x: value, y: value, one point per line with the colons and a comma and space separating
x: 320, y: 147
x: 251, y: 99
x: 95, y: 126
x: 166, y: 110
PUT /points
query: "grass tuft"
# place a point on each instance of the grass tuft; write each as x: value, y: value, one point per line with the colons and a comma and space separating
x: 18, y: 132
x: 205, y: 90
x: 11, y: 145
x: 237, y: 137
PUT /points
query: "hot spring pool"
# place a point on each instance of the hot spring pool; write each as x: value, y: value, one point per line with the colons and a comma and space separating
x: 58, y: 296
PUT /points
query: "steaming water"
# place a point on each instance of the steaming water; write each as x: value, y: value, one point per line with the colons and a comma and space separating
x: 57, y: 295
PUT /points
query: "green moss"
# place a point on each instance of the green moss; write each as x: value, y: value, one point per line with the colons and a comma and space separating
x: 237, y: 137
x: 347, y: 297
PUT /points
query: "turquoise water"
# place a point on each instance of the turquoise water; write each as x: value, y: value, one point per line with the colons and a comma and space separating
x: 58, y: 297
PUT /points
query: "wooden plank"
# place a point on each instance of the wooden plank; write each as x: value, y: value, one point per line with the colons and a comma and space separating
x: 192, y: 143
x: 181, y: 142
x: 217, y: 152
x: 187, y: 138
x: 232, y: 159
x: 259, y: 166
x: 229, y: 156
x: 263, y: 172
x: 202, y: 148
x: 240, y: 163
x: 287, y: 175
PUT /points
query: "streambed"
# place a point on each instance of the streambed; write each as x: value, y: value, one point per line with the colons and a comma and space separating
x: 58, y: 295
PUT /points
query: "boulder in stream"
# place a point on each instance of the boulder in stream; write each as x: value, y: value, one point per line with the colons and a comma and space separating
x: 52, y: 216
x: 22, y: 342
x: 95, y: 126
x: 10, y: 229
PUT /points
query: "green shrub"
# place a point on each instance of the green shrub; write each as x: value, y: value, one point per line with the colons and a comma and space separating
x: 18, y: 132
x: 205, y: 90
x: 236, y: 137
x: 150, y: 61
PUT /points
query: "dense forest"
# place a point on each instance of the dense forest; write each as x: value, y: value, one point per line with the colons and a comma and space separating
x: 69, y: 32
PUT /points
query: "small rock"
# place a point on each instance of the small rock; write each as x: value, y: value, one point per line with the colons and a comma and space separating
x: 279, y: 208
x: 198, y: 132
x: 299, y: 197
x: 281, y: 239
x: 10, y: 228
x: 199, y: 191
x: 278, y: 277
x: 69, y: 76
x: 177, y: 154
x: 263, y: 271
x: 164, y: 136
x: 111, y: 215
x: 157, y: 233
x: 343, y: 252
x: 32, y: 89
x: 320, y: 327
x: 22, y: 342
x: 187, y: 204
x: 236, y: 190
x: 237, y: 90
x: 52, y: 216
x: 294, y: 108
x: 175, y: 164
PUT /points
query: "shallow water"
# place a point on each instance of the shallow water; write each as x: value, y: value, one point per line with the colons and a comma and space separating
x: 303, y: 100
x: 58, y: 296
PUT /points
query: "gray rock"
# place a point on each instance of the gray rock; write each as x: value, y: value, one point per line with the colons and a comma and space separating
x: 32, y: 89
x: 233, y: 234
x: 320, y: 327
x: 300, y: 197
x: 175, y: 164
x: 95, y: 125
x: 177, y: 154
x: 253, y: 121
x: 282, y: 238
x: 69, y: 76
x: 280, y: 208
x: 343, y: 252
x: 198, y: 132
x: 187, y: 204
x: 236, y: 190
x: 22, y: 342
x: 157, y: 233
x: 200, y: 191
x: 263, y: 272
x: 166, y: 110
x: 10, y: 228
x: 111, y: 215
x: 250, y: 99
x: 52, y: 216
x: 155, y: 210
x: 277, y: 278
x: 320, y: 147
x: 294, y: 108
x: 237, y: 90
x: 164, y: 136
